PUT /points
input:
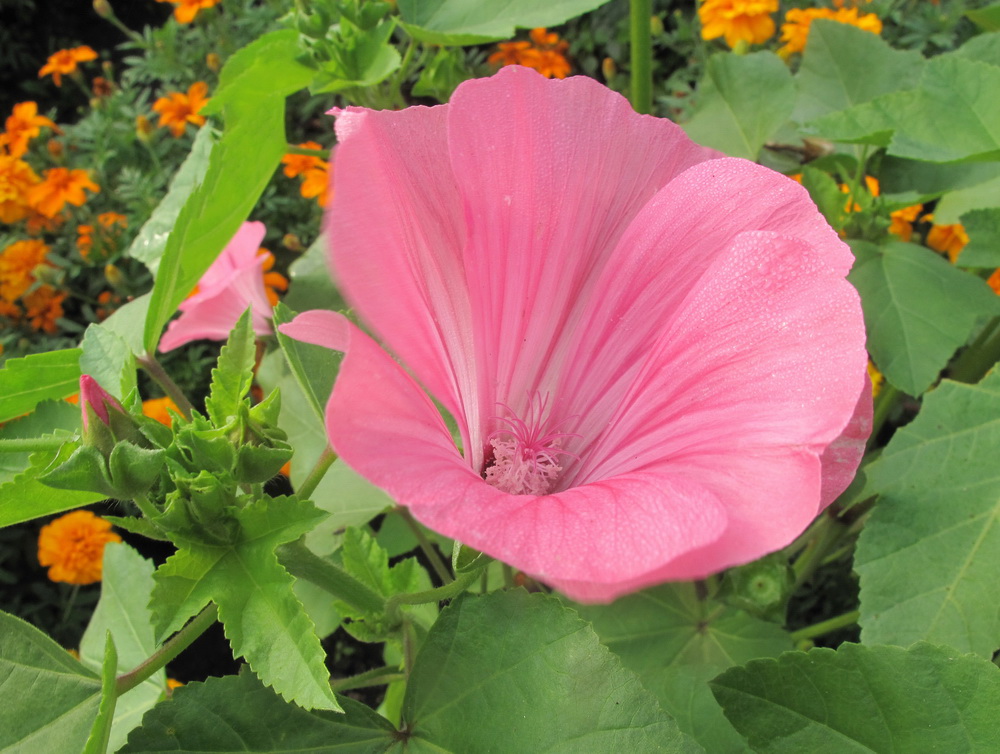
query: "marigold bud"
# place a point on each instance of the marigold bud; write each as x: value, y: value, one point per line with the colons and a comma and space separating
x: 113, y: 275
x: 609, y: 69
x: 655, y: 26
x: 143, y: 128
x: 55, y: 148
x: 292, y: 242
x: 103, y: 8
x: 213, y: 61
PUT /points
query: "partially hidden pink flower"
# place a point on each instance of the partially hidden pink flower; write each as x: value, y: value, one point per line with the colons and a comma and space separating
x: 654, y: 360
x: 233, y: 282
x: 96, y: 401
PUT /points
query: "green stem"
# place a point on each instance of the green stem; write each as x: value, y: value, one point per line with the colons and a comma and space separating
x: 303, y: 563
x: 642, y: 55
x: 177, y: 644
x: 508, y: 576
x: 153, y: 368
x: 32, y: 444
x: 885, y: 402
x: 305, y: 151
x: 311, y: 482
x: 826, y: 626
x: 149, y: 510
x: 425, y: 544
x: 827, y: 533
x: 374, y: 677
x: 980, y: 357
x: 455, y: 588
x: 404, y: 71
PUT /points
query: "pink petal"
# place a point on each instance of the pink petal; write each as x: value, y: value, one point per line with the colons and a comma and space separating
x: 383, y: 425
x: 843, y: 456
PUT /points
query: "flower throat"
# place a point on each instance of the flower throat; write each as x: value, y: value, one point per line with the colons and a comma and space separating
x: 525, y: 452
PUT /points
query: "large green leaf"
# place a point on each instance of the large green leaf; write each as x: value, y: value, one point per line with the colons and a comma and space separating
x: 987, y: 18
x: 263, y: 620
x: 930, y: 553
x: 255, y: 83
x: 128, y: 322
x: 982, y: 195
x: 873, y: 122
x: 742, y: 101
x: 516, y: 672
x: 26, y: 382
x: 314, y: 367
x: 469, y: 22
x: 49, y: 700
x: 126, y: 587
x: 238, y: 714
x: 983, y: 249
x: 845, y: 66
x: 865, y: 699
x: 310, y: 286
x: 151, y: 240
x: 911, y: 300
x: 676, y: 643
x: 969, y: 92
x: 24, y: 498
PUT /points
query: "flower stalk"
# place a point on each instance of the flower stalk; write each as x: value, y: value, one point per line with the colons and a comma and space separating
x: 159, y: 375
x: 641, y: 46
x: 826, y: 626
x: 311, y: 482
x: 303, y: 563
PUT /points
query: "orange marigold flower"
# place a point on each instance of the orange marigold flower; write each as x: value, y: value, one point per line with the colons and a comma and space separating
x: 903, y: 219
x: 173, y: 683
x: 186, y: 10
x: 297, y: 164
x: 110, y: 219
x: 546, y: 55
x: 159, y: 409
x: 17, y: 265
x: 16, y: 179
x: 738, y: 20
x: 177, y: 109
x: 273, y: 281
x: 10, y: 311
x: 508, y: 53
x: 947, y: 239
x: 64, y: 62
x: 101, y: 87
x: 317, y: 185
x: 24, y: 124
x: 43, y: 307
x: 61, y: 186
x: 84, y: 239
x: 72, y: 547
x: 795, y: 29
x: 994, y: 281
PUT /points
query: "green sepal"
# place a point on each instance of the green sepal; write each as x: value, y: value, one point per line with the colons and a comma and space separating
x: 261, y: 448
x: 84, y: 470
x: 198, y: 445
x: 202, y: 510
x: 134, y: 470
x: 465, y: 558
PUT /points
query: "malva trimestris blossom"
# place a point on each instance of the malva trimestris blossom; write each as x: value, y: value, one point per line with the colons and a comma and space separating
x: 234, y: 281
x: 655, y: 363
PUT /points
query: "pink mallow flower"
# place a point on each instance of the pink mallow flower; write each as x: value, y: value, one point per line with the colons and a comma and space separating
x: 233, y: 282
x: 653, y: 358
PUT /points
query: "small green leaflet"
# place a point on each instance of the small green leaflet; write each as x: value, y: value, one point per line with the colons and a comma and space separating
x: 233, y: 374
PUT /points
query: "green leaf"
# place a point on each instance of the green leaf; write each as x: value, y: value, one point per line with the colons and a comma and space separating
x: 929, y: 554
x: 310, y: 286
x: 239, y: 168
x: 918, y: 181
x: 983, y: 195
x: 844, y: 66
x: 864, y: 699
x: 987, y: 19
x: 24, y: 498
x: 983, y: 249
x: 233, y: 374
x: 522, y: 672
x: 26, y: 382
x: 364, y: 57
x: 108, y: 359
x: 825, y: 192
x: 151, y: 240
x: 969, y: 92
x: 983, y: 47
x: 314, y: 367
x: 742, y: 101
x: 468, y: 22
x: 263, y: 620
x: 49, y: 700
x: 49, y: 419
x: 676, y: 643
x: 445, y: 71
x: 127, y: 322
x: 909, y: 297
x: 122, y: 614
x: 238, y: 714
x: 873, y: 122
x: 100, y: 733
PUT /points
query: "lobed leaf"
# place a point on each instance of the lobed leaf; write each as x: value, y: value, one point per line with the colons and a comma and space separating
x: 929, y: 554
x: 233, y: 373
x: 864, y: 699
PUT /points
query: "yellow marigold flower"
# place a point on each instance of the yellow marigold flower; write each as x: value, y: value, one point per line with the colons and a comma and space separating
x: 64, y: 62
x: 60, y: 187
x: 43, y: 307
x: 186, y: 10
x: 17, y: 265
x: 177, y: 109
x: 16, y: 179
x: 72, y: 547
x: 994, y: 281
x: 273, y: 281
x: 297, y: 164
x: 159, y: 408
x: 795, y: 30
x: 903, y: 219
x: 947, y: 239
x: 22, y: 125
x: 876, y: 377
x: 738, y: 20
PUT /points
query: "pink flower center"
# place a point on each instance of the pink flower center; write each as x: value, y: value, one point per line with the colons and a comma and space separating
x: 526, y: 452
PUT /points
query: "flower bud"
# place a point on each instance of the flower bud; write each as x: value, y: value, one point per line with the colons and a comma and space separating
x: 609, y: 69
x: 113, y: 275
x: 143, y: 128
x: 103, y: 8
x: 655, y: 26
x: 213, y: 61
x: 55, y: 148
x: 292, y: 242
